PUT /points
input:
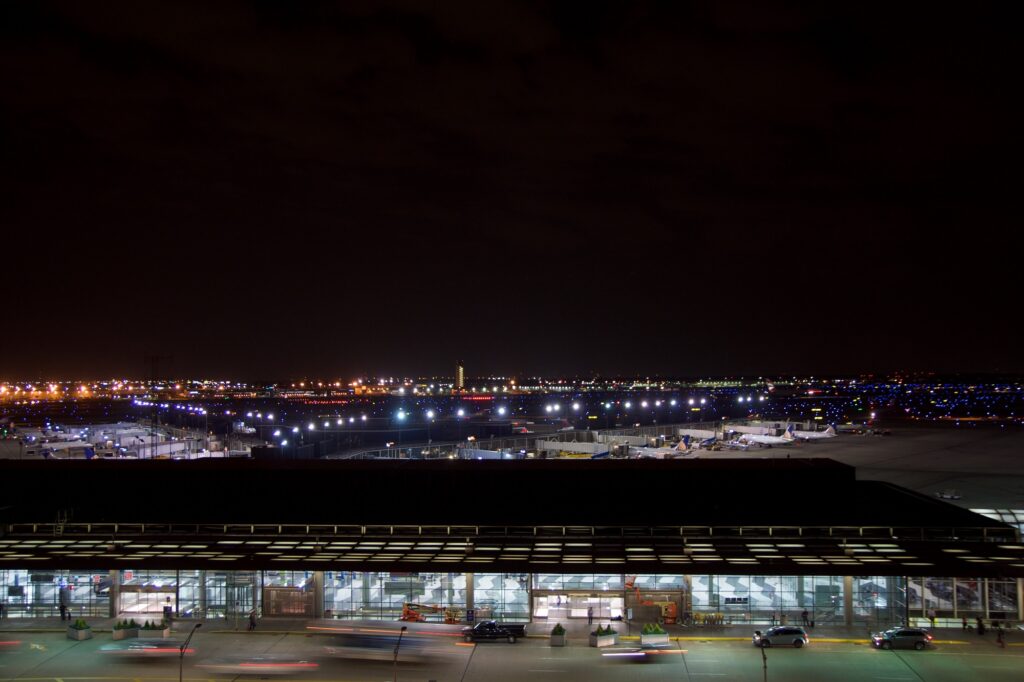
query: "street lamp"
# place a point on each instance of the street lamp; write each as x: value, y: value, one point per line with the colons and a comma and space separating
x: 184, y: 647
x: 430, y: 421
x: 395, y: 663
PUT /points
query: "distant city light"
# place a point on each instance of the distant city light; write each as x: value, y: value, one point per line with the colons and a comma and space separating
x: 576, y: 407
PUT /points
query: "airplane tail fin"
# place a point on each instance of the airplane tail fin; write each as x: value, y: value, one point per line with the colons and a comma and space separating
x: 830, y: 431
x: 788, y: 435
x: 684, y: 444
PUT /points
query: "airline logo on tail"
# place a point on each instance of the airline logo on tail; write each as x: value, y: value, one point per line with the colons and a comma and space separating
x: 684, y: 444
x: 788, y: 435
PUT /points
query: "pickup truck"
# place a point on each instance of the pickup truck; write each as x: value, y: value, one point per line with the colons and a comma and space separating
x: 490, y: 630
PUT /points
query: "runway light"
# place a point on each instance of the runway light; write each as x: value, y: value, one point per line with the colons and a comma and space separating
x: 576, y: 407
x: 703, y: 400
x: 400, y: 415
x: 461, y: 412
x: 673, y: 402
x: 327, y: 424
x: 627, y: 404
x: 547, y: 408
x: 690, y: 401
x: 430, y: 414
x: 311, y: 426
x: 363, y: 417
x: 643, y: 403
x: 340, y: 421
x: 295, y: 429
x: 501, y: 411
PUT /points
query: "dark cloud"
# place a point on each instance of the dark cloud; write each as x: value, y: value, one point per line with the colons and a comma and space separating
x: 278, y: 188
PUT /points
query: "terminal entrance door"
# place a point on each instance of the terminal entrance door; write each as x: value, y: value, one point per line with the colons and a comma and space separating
x: 556, y: 606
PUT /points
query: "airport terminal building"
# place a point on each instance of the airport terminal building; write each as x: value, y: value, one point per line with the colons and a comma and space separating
x: 694, y: 541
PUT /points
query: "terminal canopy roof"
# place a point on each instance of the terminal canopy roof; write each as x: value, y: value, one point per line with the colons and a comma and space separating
x: 737, y: 515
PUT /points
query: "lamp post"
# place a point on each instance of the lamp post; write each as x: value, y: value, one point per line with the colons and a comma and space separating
x: 184, y: 647
x: 394, y: 676
x: 430, y: 420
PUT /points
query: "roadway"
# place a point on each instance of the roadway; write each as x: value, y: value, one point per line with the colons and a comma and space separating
x: 51, y: 657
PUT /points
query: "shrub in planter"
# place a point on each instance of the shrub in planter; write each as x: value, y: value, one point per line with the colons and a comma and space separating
x: 653, y: 633
x: 79, y: 630
x: 604, y: 636
x: 126, y: 629
x: 151, y: 628
x: 558, y: 636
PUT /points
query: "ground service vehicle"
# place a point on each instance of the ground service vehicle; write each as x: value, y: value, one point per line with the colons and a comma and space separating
x: 489, y: 630
x: 416, y: 613
x: 902, y: 638
x: 781, y: 635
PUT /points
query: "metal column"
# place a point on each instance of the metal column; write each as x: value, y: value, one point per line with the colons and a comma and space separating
x: 114, y: 607
x: 470, y: 603
x: 848, y: 600
x: 319, y: 585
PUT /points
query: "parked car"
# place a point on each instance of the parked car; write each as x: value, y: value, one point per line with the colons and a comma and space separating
x: 902, y: 638
x: 781, y: 635
x: 487, y: 630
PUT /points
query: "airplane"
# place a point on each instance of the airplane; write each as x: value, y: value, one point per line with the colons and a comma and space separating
x: 830, y: 432
x: 661, y: 453
x: 765, y: 440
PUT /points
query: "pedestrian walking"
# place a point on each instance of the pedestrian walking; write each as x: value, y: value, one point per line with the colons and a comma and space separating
x: 931, y: 617
x: 804, y: 615
x: 980, y: 624
x: 63, y: 610
x: 590, y: 615
x: 963, y: 621
x: 252, y: 620
x: 999, y: 636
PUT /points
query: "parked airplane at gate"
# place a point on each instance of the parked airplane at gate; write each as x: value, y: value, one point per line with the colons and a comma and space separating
x: 765, y: 440
x: 830, y: 432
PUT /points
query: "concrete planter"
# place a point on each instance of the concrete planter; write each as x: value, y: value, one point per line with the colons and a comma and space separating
x: 126, y: 633
x: 653, y: 640
x: 165, y: 633
x: 79, y: 635
x: 604, y: 640
x: 559, y: 640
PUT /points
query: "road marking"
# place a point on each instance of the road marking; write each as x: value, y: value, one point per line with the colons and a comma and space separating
x: 544, y: 670
x: 893, y: 678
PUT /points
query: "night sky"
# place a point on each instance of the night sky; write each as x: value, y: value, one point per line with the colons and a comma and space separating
x: 272, y: 190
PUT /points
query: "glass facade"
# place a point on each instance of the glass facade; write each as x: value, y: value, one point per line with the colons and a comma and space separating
x: 505, y: 596
x: 381, y: 595
x: 38, y: 594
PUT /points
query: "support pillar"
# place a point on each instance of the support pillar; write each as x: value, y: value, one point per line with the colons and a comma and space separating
x: 1020, y: 599
x: 201, y: 593
x: 318, y: 594
x: 470, y: 597
x: 848, y: 600
x: 984, y: 597
x: 114, y: 607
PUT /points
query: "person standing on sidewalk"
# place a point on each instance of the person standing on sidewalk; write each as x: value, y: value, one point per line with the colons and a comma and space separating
x: 963, y: 621
x: 590, y: 615
x: 804, y: 615
x: 252, y: 620
x: 999, y: 635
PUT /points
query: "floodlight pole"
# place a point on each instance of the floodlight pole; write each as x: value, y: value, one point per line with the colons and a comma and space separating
x: 394, y: 675
x: 184, y: 647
